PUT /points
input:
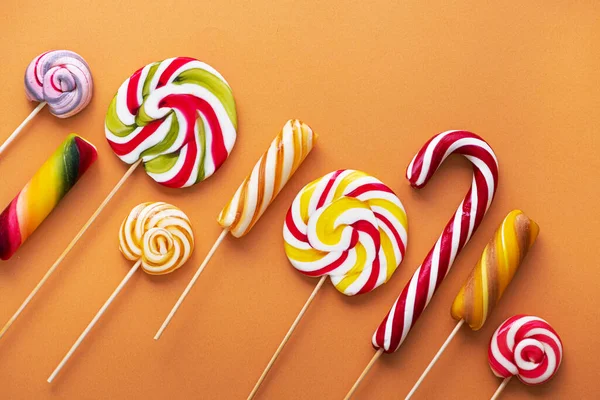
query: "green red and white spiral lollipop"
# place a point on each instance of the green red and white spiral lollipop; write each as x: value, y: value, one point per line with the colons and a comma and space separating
x: 178, y: 116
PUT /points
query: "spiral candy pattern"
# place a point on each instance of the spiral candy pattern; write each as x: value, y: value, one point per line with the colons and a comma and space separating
x: 428, y: 277
x: 178, y: 116
x: 43, y: 192
x: 525, y: 346
x: 350, y: 226
x: 495, y: 270
x: 62, y: 79
x: 270, y: 174
x: 158, y: 233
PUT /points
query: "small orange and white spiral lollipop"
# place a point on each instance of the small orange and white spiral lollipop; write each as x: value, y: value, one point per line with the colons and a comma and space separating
x: 159, y: 234
x: 159, y: 238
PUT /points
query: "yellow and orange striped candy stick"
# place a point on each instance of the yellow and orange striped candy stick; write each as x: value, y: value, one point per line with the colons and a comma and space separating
x: 487, y: 282
x: 270, y: 174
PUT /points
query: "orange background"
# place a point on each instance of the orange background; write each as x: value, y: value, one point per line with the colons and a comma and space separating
x: 375, y: 80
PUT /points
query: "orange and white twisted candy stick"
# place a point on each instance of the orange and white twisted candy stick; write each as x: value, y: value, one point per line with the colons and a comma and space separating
x: 158, y: 236
x: 270, y: 174
x: 268, y: 177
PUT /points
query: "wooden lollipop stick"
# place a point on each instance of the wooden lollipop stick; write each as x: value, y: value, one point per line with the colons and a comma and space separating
x: 20, y: 127
x: 96, y: 318
x: 68, y: 249
x: 364, y: 373
x: 287, y: 337
x: 192, y: 282
x: 501, y: 388
x: 437, y: 356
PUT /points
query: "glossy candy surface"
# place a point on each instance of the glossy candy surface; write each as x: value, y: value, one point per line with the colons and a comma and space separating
x: 350, y: 226
x: 270, y: 174
x: 61, y: 78
x: 419, y: 290
x: 178, y: 116
x: 495, y: 269
x: 43, y: 192
x: 525, y: 346
x: 158, y: 233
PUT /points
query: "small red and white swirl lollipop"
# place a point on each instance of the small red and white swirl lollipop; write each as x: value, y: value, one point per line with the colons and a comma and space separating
x: 526, y: 347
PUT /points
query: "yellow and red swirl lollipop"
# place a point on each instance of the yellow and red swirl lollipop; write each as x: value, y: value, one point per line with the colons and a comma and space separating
x: 159, y: 237
x: 350, y: 226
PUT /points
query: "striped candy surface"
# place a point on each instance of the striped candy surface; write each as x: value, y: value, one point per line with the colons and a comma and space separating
x: 158, y: 233
x: 43, y: 192
x: 350, y: 226
x: 428, y: 277
x: 270, y: 174
x: 495, y: 269
x: 61, y: 78
x: 178, y: 116
x: 525, y: 346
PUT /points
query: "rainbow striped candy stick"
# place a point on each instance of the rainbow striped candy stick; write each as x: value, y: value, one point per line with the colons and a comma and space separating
x: 43, y: 192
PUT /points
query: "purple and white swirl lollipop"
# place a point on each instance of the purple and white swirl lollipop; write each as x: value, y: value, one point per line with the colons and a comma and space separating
x: 60, y: 79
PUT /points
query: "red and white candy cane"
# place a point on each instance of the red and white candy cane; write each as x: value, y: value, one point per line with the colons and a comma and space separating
x: 428, y: 277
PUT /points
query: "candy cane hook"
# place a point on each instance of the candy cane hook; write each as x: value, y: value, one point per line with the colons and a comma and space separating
x: 418, y: 292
